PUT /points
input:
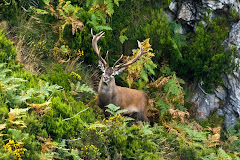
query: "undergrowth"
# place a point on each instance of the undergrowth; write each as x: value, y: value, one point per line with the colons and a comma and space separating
x: 53, y: 114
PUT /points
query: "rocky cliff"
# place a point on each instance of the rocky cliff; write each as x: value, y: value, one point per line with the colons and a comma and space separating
x: 226, y: 99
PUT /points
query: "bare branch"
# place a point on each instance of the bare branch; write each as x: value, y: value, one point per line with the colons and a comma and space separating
x: 69, y: 140
x: 75, y: 115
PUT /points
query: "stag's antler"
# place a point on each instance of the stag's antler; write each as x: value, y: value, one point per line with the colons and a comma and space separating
x: 95, y: 47
x: 133, y: 60
x: 117, y: 61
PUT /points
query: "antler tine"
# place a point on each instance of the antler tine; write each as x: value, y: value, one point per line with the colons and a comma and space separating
x: 92, y: 32
x: 95, y: 47
x: 106, y: 58
x: 117, y: 61
x: 135, y: 59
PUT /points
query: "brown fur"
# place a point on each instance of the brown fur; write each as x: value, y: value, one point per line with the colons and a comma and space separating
x: 134, y: 101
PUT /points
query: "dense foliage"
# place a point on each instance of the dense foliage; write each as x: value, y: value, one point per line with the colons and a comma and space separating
x: 206, y: 57
x: 48, y: 78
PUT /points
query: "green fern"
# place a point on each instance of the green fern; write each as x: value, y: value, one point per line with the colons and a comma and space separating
x: 223, y: 155
x: 43, y: 90
x: 10, y: 87
x: 17, y: 135
x: 147, y: 130
x: 199, y: 136
x: 211, y: 156
x: 171, y: 87
x: 162, y: 105
x: 114, y: 110
x: 80, y: 88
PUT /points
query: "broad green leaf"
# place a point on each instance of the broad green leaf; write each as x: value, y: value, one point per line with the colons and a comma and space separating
x: 123, y: 38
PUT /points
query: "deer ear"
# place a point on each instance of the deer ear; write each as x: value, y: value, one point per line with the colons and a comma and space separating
x: 101, y: 66
x: 118, y: 71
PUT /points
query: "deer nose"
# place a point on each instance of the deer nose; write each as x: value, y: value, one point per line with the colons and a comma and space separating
x: 105, y: 79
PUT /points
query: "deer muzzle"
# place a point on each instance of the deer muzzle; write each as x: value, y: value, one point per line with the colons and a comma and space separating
x: 105, y: 79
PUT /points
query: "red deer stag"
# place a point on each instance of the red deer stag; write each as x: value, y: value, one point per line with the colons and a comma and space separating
x: 133, y: 101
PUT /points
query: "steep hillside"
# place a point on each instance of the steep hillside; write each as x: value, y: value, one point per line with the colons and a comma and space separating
x: 49, y: 79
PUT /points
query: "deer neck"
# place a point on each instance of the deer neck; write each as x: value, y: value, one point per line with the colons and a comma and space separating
x: 106, y: 92
x: 106, y: 88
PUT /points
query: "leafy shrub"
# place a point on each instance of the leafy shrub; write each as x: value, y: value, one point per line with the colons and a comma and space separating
x: 57, y: 127
x: 66, y: 14
x: 27, y: 146
x: 128, y: 141
x: 131, y: 18
x: 168, y: 94
x: 9, y: 10
x: 8, y: 51
x: 58, y: 76
x: 83, y: 40
x: 81, y: 15
x: 205, y: 58
x: 107, y: 4
x: 166, y: 46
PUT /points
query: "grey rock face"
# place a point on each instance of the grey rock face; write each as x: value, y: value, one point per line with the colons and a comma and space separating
x: 187, y: 11
x: 226, y: 99
x: 206, y: 103
x: 234, y: 35
x: 232, y: 108
x: 192, y: 11
x: 173, y: 7
x: 220, y: 4
x: 232, y: 82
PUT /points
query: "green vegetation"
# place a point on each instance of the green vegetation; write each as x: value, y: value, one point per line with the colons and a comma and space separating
x: 48, y: 106
x: 205, y: 58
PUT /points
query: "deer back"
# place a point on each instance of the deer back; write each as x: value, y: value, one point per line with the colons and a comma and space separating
x: 131, y: 100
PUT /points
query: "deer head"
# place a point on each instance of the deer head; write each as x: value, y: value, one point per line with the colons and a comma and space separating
x: 110, y: 72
